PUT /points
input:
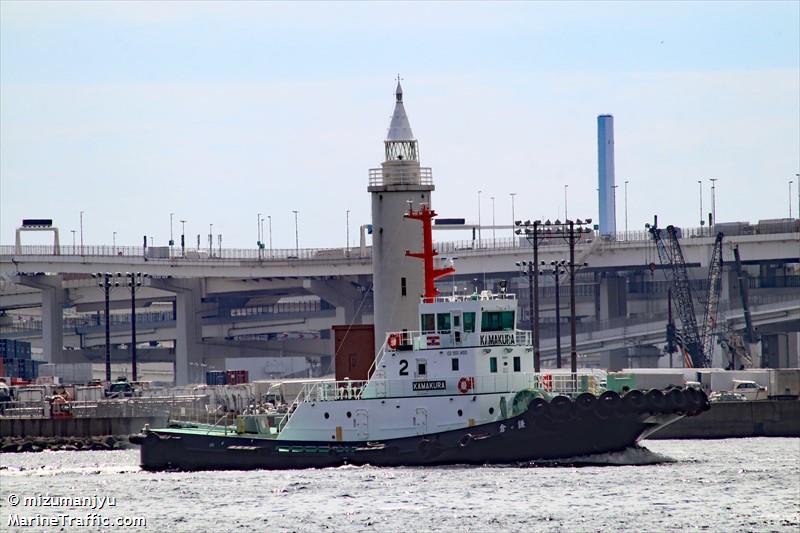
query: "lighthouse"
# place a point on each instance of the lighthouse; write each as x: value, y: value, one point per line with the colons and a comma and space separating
x: 397, y: 187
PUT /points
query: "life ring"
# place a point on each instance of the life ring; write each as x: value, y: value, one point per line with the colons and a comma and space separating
x: 464, y: 385
x: 393, y: 341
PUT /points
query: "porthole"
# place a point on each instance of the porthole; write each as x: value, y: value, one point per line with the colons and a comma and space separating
x: 491, y: 410
x: 327, y: 416
x: 349, y: 414
x: 460, y: 412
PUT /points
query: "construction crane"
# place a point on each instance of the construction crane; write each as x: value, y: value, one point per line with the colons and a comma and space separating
x: 738, y: 345
x: 696, y: 343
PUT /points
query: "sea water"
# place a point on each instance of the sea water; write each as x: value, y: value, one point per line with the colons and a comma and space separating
x: 693, y: 485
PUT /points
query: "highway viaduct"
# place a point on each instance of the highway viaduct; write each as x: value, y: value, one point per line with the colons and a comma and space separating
x: 212, y: 292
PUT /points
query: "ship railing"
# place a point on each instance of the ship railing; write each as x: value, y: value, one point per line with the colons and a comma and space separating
x: 483, y: 295
x: 376, y: 362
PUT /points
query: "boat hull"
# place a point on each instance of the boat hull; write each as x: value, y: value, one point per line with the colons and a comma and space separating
x: 541, y: 432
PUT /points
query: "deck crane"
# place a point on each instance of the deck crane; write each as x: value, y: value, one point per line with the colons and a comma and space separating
x: 696, y: 343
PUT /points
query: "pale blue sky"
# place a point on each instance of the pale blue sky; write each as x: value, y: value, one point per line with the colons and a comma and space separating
x: 218, y: 111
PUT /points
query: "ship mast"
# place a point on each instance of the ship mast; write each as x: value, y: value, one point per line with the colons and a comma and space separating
x: 428, y: 253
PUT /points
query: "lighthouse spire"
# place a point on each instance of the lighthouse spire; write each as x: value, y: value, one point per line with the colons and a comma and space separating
x: 400, y: 143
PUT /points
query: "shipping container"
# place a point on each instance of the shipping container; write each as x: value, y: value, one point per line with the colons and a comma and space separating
x: 216, y: 377
x: 784, y: 383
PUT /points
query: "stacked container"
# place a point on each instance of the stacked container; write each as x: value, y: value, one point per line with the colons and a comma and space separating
x: 16, y: 360
x: 237, y: 377
x: 216, y: 377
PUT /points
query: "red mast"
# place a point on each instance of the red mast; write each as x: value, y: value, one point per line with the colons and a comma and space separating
x: 428, y: 253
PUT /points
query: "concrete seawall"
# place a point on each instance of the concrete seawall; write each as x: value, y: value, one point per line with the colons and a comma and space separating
x: 768, y: 418
x: 76, y: 427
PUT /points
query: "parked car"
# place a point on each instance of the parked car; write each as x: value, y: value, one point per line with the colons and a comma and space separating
x: 726, y: 396
x: 749, y: 389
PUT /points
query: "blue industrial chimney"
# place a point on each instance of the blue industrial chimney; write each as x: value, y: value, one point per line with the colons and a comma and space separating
x: 605, y: 175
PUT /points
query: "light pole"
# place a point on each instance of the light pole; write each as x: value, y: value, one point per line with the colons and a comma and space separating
x: 557, y: 269
x: 296, y: 236
x: 73, y: 241
x: 565, y: 201
x: 494, y: 240
x: 183, y: 238
x: 106, y: 285
x: 171, y: 239
x: 347, y: 216
x: 532, y: 232
x: 479, y: 218
x: 790, y: 197
x: 134, y: 283
x: 82, y: 227
x: 513, y: 240
x: 114, y: 242
x: 626, y: 209
x: 269, y: 218
x: 211, y: 240
x: 702, y: 222
x: 614, y: 200
x: 713, y: 202
x: 260, y: 231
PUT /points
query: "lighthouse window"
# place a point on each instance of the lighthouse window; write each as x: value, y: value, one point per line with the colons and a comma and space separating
x: 469, y: 322
x: 428, y: 323
x: 517, y: 364
x: 497, y: 321
x: 402, y: 286
x: 443, y: 322
x: 493, y: 364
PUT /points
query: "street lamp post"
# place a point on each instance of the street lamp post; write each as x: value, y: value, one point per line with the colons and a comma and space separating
x: 614, y: 200
x: 73, y: 241
x: 702, y: 222
x: 347, y: 223
x: 269, y: 219
x: 790, y: 197
x: 114, y: 243
x: 626, y: 209
x: 713, y: 203
x: 171, y: 239
x: 82, y: 230
x: 211, y: 240
x: 260, y: 232
x: 513, y: 217
x: 565, y: 201
x: 296, y: 236
x: 183, y: 238
x: 494, y: 239
x: 479, y: 219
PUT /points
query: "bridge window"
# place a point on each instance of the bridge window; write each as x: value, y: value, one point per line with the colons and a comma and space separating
x: 402, y: 286
x: 497, y: 321
x: 428, y: 323
x: 422, y: 367
x: 517, y: 364
x: 443, y: 322
x: 454, y: 363
x: 469, y: 322
x: 493, y: 364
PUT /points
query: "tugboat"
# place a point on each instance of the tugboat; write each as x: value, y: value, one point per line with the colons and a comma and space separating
x: 459, y: 390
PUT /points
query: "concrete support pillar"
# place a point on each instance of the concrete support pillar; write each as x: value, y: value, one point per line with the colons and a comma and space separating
x: 343, y: 293
x: 613, y: 298
x: 189, y: 308
x: 53, y: 299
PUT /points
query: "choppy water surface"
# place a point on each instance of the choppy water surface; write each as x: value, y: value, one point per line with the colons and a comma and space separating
x: 712, y: 485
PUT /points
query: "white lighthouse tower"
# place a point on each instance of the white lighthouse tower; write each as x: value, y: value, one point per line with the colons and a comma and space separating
x: 398, y: 185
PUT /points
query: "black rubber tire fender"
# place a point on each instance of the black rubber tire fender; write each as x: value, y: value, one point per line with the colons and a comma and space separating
x: 656, y: 401
x: 584, y: 403
x: 634, y: 401
x: 678, y: 401
x: 561, y: 408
